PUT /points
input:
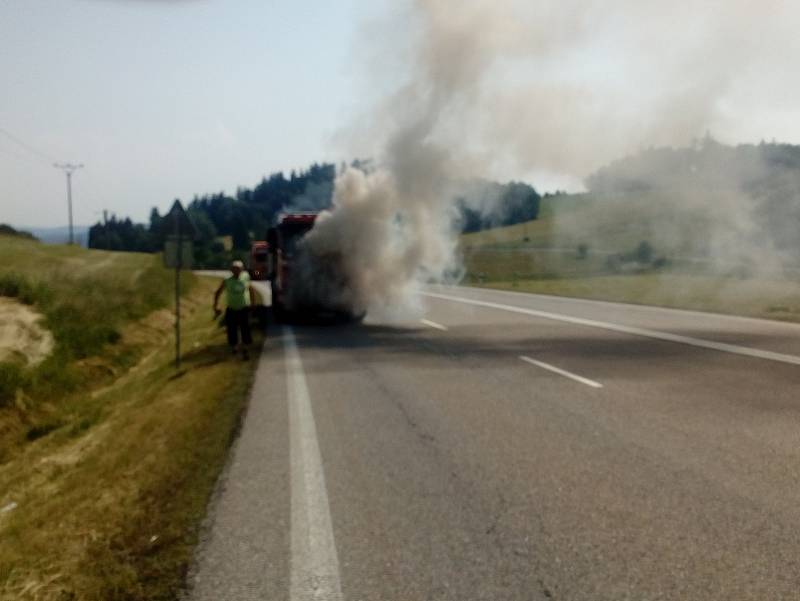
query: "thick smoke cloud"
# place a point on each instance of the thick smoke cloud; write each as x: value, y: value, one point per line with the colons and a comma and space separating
x: 512, y: 87
x: 568, y: 85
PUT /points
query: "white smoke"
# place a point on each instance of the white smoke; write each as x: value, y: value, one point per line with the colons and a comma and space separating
x: 514, y: 87
x: 379, y: 241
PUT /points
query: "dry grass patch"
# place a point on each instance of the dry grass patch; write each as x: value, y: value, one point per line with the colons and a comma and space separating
x: 22, y: 337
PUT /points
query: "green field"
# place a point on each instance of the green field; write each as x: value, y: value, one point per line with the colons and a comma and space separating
x: 537, y: 233
x: 544, y: 256
x: 607, y: 225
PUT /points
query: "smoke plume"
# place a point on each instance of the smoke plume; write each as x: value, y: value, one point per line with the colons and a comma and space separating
x: 514, y: 87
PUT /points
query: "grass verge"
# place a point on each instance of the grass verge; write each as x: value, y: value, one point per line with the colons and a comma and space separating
x: 769, y: 299
x: 595, y: 251
x: 110, y: 492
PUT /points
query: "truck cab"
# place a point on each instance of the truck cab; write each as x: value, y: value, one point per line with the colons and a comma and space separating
x: 282, y: 241
x: 303, y: 285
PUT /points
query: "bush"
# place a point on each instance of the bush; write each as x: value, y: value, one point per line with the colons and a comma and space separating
x: 39, y: 430
x: 614, y: 262
x: 13, y: 285
x: 583, y: 251
x: 78, y: 332
x: 11, y: 379
x: 644, y: 252
x: 53, y: 377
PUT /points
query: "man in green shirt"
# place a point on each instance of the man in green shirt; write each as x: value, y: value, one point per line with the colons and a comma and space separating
x: 238, y: 299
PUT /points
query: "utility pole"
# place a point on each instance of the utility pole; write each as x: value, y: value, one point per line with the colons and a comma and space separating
x: 69, y: 169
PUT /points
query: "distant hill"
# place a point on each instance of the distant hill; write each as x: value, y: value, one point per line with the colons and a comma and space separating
x: 731, y: 210
x: 732, y: 203
x: 7, y: 230
x: 60, y: 235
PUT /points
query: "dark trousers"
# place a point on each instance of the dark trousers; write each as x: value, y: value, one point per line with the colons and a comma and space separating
x: 238, y: 320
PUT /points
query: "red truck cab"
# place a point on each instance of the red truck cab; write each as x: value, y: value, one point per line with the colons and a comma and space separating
x: 282, y: 241
x: 319, y: 293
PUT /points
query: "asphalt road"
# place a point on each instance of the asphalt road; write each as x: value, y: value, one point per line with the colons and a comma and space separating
x: 515, y: 447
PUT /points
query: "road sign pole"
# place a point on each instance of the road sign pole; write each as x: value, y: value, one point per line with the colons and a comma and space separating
x: 178, y: 265
x: 178, y: 257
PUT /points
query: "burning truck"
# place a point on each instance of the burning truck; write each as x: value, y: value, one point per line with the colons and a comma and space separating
x: 306, y: 283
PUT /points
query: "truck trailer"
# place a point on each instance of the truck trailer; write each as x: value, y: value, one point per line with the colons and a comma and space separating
x: 305, y: 285
x: 259, y: 260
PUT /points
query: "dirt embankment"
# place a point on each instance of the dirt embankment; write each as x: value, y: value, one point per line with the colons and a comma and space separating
x: 22, y: 338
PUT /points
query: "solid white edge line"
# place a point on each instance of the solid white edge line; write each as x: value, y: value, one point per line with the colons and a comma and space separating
x: 433, y: 324
x: 635, y: 306
x: 666, y: 336
x: 561, y: 372
x: 314, y: 561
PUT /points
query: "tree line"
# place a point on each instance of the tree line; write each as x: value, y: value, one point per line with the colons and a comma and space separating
x: 227, y: 224
x: 7, y: 230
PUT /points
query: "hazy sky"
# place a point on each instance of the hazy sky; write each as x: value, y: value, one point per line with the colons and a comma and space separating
x: 168, y: 98
x: 163, y: 99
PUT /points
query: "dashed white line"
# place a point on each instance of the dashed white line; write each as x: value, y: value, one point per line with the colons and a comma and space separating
x: 433, y: 324
x: 698, y: 342
x: 561, y: 372
x: 314, y: 562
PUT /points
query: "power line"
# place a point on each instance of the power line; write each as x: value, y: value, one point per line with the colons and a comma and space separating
x: 28, y: 147
x: 26, y: 158
x: 67, y: 168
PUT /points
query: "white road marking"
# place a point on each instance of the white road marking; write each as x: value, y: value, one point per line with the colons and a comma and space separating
x: 561, y: 372
x: 708, y: 344
x: 644, y: 308
x: 314, y: 563
x: 433, y: 324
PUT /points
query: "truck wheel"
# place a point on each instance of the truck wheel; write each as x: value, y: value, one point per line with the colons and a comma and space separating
x: 277, y: 307
x: 278, y: 312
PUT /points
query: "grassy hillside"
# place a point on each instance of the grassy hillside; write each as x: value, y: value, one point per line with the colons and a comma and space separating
x: 107, y: 455
x: 593, y: 249
x: 86, y: 298
x: 122, y: 484
x: 605, y: 225
x: 537, y: 233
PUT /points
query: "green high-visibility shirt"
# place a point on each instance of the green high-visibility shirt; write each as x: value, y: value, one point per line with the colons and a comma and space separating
x: 236, y: 291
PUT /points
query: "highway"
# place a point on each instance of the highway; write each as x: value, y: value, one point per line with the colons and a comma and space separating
x: 512, y: 447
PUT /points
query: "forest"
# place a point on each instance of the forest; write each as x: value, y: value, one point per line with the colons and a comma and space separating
x: 227, y: 224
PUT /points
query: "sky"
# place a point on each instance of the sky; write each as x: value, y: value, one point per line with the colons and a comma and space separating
x: 165, y: 99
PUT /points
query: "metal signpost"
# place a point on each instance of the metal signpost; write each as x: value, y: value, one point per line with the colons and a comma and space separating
x: 178, y: 254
